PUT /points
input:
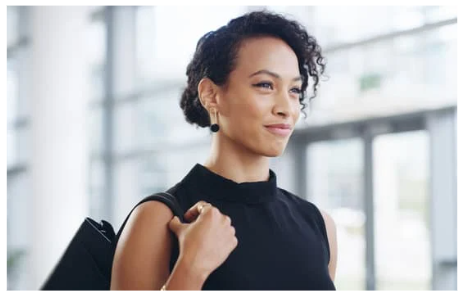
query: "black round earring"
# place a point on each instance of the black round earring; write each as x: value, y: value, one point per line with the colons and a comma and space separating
x: 214, y: 126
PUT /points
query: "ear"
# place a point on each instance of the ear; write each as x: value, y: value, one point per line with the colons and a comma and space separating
x: 208, y: 93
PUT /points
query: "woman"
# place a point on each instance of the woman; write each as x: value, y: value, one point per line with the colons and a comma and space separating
x: 246, y: 81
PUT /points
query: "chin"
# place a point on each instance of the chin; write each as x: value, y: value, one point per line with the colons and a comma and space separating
x: 273, y: 152
x: 268, y: 148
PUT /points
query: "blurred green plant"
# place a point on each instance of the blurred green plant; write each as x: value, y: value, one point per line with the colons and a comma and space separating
x: 13, y: 259
x: 370, y: 81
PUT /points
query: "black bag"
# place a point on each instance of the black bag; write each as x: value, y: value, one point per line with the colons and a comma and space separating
x: 87, y: 261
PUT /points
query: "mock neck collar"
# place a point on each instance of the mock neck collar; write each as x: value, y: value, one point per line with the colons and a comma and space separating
x: 217, y: 187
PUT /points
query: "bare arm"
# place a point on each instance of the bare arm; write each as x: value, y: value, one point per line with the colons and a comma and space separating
x: 141, y: 260
x: 332, y: 235
x: 184, y: 277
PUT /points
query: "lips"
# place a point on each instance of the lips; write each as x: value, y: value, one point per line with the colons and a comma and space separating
x: 281, y: 126
x: 281, y: 130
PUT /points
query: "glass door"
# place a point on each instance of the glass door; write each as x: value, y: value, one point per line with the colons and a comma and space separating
x: 335, y: 184
x: 401, y: 182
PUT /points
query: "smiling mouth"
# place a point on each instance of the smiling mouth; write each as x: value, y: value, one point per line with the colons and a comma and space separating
x: 281, y: 132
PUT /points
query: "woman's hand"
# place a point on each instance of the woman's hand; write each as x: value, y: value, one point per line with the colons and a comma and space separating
x: 207, y: 240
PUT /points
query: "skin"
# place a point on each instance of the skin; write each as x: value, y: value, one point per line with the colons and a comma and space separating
x: 263, y: 89
x: 240, y: 151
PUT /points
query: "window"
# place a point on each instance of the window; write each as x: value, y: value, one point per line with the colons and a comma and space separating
x: 335, y: 184
x: 401, y: 200
x: 97, y: 52
x: 18, y: 148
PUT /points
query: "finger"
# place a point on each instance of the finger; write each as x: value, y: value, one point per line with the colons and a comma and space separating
x: 228, y: 220
x: 175, y: 225
x: 194, y: 211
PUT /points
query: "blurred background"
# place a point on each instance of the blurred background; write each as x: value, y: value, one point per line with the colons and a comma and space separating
x: 94, y: 125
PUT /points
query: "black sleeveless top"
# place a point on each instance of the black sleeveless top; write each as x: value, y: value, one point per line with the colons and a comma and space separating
x: 282, y: 240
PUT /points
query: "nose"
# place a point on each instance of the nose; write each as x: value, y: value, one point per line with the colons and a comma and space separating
x: 283, y: 105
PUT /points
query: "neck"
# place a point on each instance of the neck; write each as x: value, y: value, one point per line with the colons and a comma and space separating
x: 235, y: 162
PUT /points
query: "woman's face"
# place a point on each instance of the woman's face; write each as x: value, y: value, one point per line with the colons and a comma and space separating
x: 263, y: 90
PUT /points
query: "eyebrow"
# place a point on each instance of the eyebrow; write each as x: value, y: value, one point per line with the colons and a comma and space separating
x: 273, y: 74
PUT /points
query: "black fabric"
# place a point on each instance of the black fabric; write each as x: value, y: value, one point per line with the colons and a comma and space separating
x: 87, y: 261
x: 282, y: 240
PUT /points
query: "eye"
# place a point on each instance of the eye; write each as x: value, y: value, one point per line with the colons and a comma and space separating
x: 296, y: 90
x: 266, y: 85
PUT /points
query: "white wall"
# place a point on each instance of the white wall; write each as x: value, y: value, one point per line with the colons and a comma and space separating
x: 59, y: 77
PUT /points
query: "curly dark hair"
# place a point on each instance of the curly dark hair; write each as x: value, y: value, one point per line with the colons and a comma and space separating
x: 216, y: 53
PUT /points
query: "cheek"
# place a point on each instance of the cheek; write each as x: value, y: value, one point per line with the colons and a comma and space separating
x: 255, y: 111
x: 248, y: 108
x: 297, y: 110
x: 245, y: 120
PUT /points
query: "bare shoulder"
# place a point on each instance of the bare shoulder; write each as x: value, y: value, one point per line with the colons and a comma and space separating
x: 149, y: 216
x: 143, y: 251
x: 331, y: 229
x: 151, y: 211
x: 328, y: 220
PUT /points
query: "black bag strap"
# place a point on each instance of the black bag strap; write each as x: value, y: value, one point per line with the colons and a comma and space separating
x: 166, y: 197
